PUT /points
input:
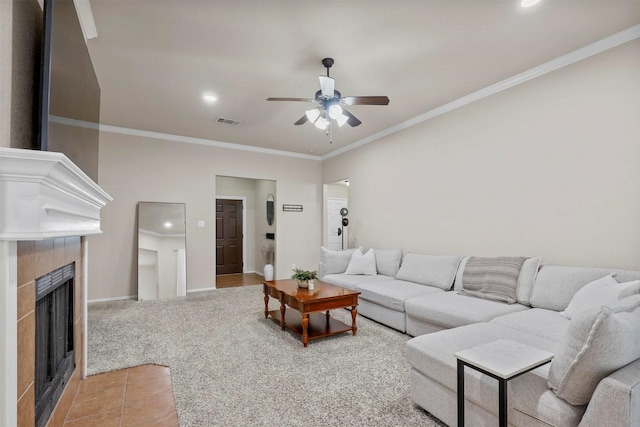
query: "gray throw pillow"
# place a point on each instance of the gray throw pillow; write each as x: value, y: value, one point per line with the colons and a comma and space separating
x: 388, y: 261
x: 494, y: 278
x: 432, y: 270
x: 597, y: 343
x: 526, y: 279
x: 630, y: 290
x: 335, y: 262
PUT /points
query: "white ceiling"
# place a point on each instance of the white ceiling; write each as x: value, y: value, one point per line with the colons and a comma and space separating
x: 155, y: 59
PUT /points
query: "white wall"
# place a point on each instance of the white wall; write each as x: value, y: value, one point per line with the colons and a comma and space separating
x: 134, y: 168
x: 263, y: 189
x: 550, y: 167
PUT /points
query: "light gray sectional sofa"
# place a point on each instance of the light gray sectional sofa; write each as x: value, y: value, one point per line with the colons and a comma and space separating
x: 594, y: 379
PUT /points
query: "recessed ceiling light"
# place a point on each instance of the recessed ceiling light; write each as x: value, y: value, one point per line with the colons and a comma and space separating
x: 209, y: 98
x: 529, y: 3
x: 167, y: 224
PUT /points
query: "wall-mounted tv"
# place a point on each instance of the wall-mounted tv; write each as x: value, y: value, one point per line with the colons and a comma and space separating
x: 69, y: 90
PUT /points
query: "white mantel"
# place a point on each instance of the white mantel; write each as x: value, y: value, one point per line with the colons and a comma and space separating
x: 42, y: 195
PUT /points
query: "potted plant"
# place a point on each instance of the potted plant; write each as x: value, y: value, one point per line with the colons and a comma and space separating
x: 303, y: 277
x: 267, y: 256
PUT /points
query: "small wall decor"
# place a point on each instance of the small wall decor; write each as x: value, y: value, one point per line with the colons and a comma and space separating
x: 270, y: 208
x: 292, y: 208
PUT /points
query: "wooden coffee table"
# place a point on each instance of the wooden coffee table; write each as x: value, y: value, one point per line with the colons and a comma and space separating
x: 311, y: 317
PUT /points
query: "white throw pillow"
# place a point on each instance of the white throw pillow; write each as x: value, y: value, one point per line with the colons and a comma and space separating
x: 596, y: 294
x: 362, y: 263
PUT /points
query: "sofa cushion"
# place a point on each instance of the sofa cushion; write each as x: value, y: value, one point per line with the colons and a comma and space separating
x: 351, y: 281
x: 388, y: 261
x: 536, y: 321
x: 432, y: 270
x: 362, y: 263
x: 393, y: 293
x: 494, y: 278
x: 556, y: 285
x: 598, y: 342
x: 450, y: 309
x: 596, y: 294
x: 335, y: 262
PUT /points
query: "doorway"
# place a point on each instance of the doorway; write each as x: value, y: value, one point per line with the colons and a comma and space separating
x: 256, y: 234
x: 336, y: 201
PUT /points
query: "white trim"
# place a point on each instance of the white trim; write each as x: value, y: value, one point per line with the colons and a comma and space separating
x: 244, y: 226
x: 201, y: 290
x: 8, y: 334
x: 156, y: 234
x: 44, y: 195
x: 85, y: 16
x: 85, y: 310
x: 553, y: 65
x: 74, y: 122
x: 201, y: 141
x: 93, y: 301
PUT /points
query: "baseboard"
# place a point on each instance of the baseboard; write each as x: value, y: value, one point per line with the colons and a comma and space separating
x: 201, y: 290
x: 91, y: 301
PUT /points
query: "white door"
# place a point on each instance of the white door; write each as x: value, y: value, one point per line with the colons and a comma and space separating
x: 334, y: 224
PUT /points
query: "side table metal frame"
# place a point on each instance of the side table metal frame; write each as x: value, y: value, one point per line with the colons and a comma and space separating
x: 502, y: 390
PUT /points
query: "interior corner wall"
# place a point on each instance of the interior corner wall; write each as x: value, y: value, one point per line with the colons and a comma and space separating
x: 135, y: 168
x: 550, y: 167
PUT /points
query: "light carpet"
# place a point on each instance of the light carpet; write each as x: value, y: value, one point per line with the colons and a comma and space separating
x: 231, y: 367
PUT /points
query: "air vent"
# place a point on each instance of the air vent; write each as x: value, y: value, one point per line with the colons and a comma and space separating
x: 227, y: 121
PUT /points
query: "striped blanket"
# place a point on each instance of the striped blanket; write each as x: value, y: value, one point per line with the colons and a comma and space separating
x: 492, y: 278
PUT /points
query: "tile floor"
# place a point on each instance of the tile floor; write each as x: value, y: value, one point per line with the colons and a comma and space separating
x: 140, y: 396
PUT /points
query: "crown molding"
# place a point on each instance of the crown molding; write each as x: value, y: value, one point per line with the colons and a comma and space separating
x: 553, y: 65
x: 592, y: 49
x: 201, y: 141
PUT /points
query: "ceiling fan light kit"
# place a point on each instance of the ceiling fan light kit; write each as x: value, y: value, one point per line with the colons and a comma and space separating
x: 331, y: 104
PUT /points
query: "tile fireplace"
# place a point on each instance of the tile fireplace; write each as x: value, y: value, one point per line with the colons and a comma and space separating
x: 48, y: 208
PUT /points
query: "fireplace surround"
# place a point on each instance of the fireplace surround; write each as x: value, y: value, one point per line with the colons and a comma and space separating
x: 48, y: 208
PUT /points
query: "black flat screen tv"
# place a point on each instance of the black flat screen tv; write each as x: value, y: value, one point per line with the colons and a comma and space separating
x: 69, y: 110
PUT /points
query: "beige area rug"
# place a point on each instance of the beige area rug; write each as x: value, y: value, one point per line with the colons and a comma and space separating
x: 231, y: 367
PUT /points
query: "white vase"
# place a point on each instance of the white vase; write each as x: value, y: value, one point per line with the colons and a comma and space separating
x: 268, y: 272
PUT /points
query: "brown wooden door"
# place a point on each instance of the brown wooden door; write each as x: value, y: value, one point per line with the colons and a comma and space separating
x: 228, y: 236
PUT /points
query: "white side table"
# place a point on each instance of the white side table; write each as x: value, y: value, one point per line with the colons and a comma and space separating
x: 502, y: 360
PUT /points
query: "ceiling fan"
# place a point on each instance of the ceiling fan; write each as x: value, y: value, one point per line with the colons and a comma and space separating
x: 331, y: 103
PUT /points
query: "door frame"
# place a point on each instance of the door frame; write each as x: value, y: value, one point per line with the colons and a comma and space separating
x: 244, y: 226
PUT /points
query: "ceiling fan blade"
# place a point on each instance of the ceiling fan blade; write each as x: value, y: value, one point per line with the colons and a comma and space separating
x: 291, y: 99
x: 366, y: 100
x: 302, y: 120
x: 353, y: 120
x: 327, y: 86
